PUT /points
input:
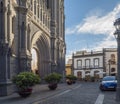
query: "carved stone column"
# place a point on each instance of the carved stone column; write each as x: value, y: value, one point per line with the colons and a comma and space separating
x: 4, y: 50
x: 4, y: 69
x: 24, y: 55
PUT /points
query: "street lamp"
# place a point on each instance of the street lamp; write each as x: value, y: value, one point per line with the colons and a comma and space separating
x: 109, y: 63
x: 117, y: 36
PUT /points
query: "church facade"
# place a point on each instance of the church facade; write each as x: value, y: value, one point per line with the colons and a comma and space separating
x: 27, y: 25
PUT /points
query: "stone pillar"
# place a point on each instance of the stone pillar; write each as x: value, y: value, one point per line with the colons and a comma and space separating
x: 4, y: 51
x: 4, y: 69
x: 53, y: 24
x: 24, y: 55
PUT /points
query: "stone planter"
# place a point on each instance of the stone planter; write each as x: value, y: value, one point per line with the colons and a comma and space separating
x: 25, y: 93
x: 52, y: 86
x: 69, y: 82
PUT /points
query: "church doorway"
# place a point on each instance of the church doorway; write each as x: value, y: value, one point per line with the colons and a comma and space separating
x: 34, y: 63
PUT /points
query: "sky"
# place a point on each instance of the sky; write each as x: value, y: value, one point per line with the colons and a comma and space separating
x: 89, y: 25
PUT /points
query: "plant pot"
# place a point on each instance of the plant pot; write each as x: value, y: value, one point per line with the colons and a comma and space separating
x: 25, y: 93
x: 52, y: 86
x: 73, y: 81
x: 69, y: 82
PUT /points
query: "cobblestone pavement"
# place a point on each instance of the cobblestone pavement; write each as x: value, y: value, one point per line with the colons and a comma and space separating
x: 85, y: 93
x: 110, y: 97
x: 79, y: 93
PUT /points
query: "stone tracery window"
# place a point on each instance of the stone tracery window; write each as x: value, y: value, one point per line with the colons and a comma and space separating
x: 31, y: 4
x: 38, y: 11
x: 35, y: 7
x: 41, y: 14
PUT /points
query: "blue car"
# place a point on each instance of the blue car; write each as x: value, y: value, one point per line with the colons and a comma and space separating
x: 108, y: 83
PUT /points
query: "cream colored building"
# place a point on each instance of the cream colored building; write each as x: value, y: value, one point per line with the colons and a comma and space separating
x: 95, y: 63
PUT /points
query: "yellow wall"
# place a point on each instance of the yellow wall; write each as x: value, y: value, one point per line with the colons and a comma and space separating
x: 68, y: 69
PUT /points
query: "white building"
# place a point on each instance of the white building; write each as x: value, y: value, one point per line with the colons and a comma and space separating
x: 95, y: 63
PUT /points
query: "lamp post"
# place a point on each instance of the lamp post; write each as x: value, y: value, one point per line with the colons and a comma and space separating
x: 117, y: 36
x: 109, y: 63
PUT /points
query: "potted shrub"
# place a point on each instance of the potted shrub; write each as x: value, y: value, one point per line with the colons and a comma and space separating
x: 24, y: 82
x: 52, y: 80
x: 74, y: 79
x: 92, y: 79
x: 71, y: 79
x: 87, y: 78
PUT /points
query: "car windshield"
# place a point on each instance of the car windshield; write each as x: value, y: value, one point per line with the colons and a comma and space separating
x: 109, y: 78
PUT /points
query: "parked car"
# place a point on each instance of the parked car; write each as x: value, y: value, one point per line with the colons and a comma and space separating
x: 108, y: 83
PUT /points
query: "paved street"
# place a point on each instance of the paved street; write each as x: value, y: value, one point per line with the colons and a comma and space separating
x: 79, y: 93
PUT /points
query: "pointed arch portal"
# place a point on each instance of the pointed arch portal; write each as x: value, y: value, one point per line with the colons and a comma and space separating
x: 41, y: 54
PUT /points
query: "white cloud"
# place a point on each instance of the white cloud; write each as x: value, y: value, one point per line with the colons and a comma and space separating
x: 102, y: 25
x: 106, y: 43
x: 68, y: 57
x: 71, y: 30
x: 96, y: 24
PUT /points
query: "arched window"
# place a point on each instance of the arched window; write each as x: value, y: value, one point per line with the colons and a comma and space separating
x: 112, y: 69
x: 112, y: 56
x: 113, y: 59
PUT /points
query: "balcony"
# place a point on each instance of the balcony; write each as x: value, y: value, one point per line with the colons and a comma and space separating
x: 87, y: 67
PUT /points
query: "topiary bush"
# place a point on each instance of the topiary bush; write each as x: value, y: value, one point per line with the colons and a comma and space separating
x: 25, y: 80
x: 53, y: 78
x: 71, y: 79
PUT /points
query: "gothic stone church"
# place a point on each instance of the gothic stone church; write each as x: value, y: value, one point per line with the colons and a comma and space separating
x: 31, y: 39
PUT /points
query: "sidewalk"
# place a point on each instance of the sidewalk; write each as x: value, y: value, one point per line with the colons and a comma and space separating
x: 39, y: 92
x: 42, y: 92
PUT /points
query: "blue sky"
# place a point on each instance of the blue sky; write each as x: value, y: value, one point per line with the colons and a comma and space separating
x: 89, y: 24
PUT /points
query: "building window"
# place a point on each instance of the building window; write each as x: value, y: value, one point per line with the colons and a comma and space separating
x: 87, y: 63
x: 112, y: 56
x: 112, y: 59
x: 112, y: 69
x: 96, y: 63
x: 79, y: 63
